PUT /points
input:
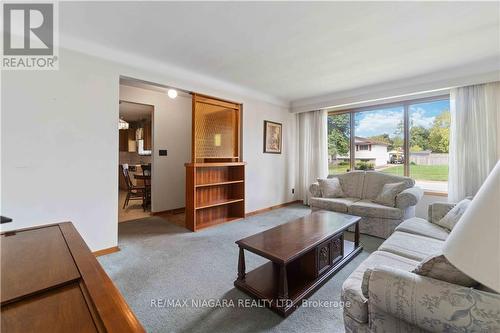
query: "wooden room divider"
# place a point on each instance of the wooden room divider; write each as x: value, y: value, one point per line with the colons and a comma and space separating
x: 215, y: 178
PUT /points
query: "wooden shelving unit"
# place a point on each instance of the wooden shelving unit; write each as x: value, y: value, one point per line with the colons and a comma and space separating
x: 215, y: 179
x: 215, y: 193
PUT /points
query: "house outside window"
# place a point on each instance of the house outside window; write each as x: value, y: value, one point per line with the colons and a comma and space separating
x: 382, y: 137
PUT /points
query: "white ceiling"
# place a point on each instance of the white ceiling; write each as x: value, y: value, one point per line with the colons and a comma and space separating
x: 135, y: 111
x: 295, y: 50
x: 151, y: 86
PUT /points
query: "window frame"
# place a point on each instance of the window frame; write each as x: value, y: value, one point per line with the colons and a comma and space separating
x: 406, y: 127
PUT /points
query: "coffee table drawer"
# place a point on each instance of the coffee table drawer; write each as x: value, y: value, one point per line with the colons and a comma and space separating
x: 328, y: 253
x: 337, y: 248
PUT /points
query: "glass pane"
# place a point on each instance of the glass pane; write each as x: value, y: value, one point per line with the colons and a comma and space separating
x: 429, y: 144
x: 216, y: 131
x: 339, y: 133
x: 379, y: 140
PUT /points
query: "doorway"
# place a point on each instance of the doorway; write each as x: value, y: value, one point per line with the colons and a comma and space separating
x: 135, y: 128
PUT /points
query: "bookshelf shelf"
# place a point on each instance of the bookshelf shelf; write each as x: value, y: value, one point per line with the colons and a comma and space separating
x: 220, y: 183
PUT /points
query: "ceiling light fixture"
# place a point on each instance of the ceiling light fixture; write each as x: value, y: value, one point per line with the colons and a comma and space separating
x: 172, y: 93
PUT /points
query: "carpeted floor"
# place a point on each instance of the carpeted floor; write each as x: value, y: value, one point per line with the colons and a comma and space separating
x: 160, y: 260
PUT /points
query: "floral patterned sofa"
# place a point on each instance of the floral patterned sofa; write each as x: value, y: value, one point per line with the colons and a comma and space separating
x: 383, y: 295
x: 360, y: 188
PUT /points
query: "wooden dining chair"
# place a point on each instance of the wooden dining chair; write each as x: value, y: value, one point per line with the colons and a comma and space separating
x: 146, y: 172
x: 146, y: 169
x: 133, y: 192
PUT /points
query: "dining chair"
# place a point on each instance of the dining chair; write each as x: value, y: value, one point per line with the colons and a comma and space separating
x: 133, y: 192
x: 146, y: 172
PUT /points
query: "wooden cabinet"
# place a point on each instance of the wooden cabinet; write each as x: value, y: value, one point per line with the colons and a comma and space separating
x: 215, y: 193
x: 126, y: 135
x: 51, y: 282
x: 123, y: 140
x: 147, y: 136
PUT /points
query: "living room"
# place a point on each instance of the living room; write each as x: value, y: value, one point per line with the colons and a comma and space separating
x: 393, y: 107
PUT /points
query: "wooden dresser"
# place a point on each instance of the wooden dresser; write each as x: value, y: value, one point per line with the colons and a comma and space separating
x: 51, y: 282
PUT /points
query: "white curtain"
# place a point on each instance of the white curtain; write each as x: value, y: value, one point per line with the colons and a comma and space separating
x: 474, y: 137
x: 313, y: 150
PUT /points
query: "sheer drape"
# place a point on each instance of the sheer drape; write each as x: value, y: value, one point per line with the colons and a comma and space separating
x: 313, y: 150
x: 474, y: 137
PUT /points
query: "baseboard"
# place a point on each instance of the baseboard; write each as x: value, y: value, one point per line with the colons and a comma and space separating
x: 263, y: 210
x: 170, y: 211
x: 106, y: 251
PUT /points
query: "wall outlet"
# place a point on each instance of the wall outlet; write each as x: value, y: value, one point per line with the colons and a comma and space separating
x: 293, y: 191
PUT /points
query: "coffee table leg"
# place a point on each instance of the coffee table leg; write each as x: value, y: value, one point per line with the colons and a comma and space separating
x: 241, y: 265
x: 356, y: 235
x: 283, y: 283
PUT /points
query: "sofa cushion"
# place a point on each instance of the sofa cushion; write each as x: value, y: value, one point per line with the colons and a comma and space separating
x: 330, y: 188
x: 387, y: 196
x: 412, y: 246
x: 351, y: 289
x: 314, y: 190
x: 451, y: 218
x: 352, y: 183
x: 378, y: 227
x: 422, y: 227
x: 367, y: 208
x: 439, y: 268
x: 335, y: 204
x: 375, y: 180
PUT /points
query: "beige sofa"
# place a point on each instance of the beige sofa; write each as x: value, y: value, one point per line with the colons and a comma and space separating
x: 392, y: 299
x: 360, y: 188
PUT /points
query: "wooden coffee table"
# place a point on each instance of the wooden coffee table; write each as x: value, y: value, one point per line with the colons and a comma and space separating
x: 303, y: 255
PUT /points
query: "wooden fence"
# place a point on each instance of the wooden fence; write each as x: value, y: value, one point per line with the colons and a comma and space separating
x: 429, y: 159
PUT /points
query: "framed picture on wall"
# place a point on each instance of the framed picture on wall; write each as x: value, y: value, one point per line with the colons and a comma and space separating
x: 272, y: 137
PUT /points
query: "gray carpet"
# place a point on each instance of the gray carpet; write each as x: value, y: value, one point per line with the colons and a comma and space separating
x: 160, y: 260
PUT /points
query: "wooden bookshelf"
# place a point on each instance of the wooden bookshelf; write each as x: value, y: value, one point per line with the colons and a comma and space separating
x: 215, y: 193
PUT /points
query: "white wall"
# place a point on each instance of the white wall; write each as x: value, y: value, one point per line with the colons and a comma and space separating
x: 60, y: 145
x: 171, y: 131
x: 60, y: 148
x: 269, y: 177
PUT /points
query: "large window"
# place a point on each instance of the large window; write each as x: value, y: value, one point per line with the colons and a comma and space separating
x: 379, y: 139
x: 429, y: 144
x: 409, y: 138
x: 339, y: 143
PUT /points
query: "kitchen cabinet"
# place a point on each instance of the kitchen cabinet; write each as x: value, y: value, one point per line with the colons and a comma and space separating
x: 125, y: 136
x: 147, y: 136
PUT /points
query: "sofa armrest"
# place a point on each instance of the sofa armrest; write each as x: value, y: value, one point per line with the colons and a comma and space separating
x: 409, y: 197
x: 432, y: 305
x: 438, y: 210
x: 315, y: 190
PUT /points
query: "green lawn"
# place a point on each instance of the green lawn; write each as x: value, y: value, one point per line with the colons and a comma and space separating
x: 336, y: 169
x: 420, y: 172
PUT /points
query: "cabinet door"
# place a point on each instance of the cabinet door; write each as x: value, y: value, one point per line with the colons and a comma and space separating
x: 148, y: 140
x: 123, y: 140
x: 131, y: 143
